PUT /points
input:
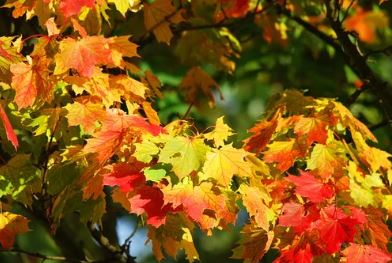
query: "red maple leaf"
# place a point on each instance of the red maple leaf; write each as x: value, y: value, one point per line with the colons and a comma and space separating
x: 356, y: 253
x: 9, y: 131
x: 308, y: 186
x: 294, y: 215
x: 149, y: 200
x: 295, y: 255
x: 72, y: 7
x: 125, y: 175
x: 334, y: 228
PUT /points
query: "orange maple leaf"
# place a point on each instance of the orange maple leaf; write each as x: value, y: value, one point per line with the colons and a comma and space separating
x: 30, y: 80
x: 83, y: 55
x: 10, y: 226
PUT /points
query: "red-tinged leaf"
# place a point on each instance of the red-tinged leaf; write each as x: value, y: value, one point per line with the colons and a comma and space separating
x: 378, y: 230
x: 30, y: 81
x: 356, y: 253
x: 127, y: 176
x: 72, y: 7
x: 82, y: 55
x: 9, y: 131
x: 295, y: 255
x: 85, y: 114
x: 314, y: 129
x: 235, y: 8
x: 308, y: 186
x: 10, y: 226
x: 261, y: 135
x: 293, y: 215
x: 203, y: 203
x: 113, y: 130
x: 366, y: 23
x: 149, y: 200
x: 334, y: 228
x: 284, y: 153
x: 140, y: 123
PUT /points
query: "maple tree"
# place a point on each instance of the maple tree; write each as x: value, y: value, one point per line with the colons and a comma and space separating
x: 82, y: 132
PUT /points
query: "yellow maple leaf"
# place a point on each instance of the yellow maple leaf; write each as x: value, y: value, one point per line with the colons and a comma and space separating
x: 222, y: 164
x: 220, y: 133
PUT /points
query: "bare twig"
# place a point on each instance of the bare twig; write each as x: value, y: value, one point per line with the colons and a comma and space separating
x: 42, y: 256
x: 187, y: 112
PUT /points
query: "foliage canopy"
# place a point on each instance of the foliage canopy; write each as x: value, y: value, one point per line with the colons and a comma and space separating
x: 87, y: 130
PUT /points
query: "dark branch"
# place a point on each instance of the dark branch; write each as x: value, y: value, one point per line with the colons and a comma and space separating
x: 42, y: 256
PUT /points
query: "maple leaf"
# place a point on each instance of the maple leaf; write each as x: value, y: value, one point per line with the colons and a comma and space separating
x: 293, y: 215
x: 361, y: 186
x: 203, y: 203
x: 113, y: 130
x: 10, y: 226
x: 262, y: 133
x: 126, y: 176
x: 145, y: 150
x: 197, y: 81
x: 220, y: 133
x: 29, y: 81
x: 378, y: 230
x: 158, y: 16
x: 335, y: 228
x: 149, y: 200
x: 52, y: 27
x: 255, y: 200
x: 151, y: 114
x: 184, y: 154
x: 373, y: 157
x: 9, y: 131
x: 223, y: 163
x: 366, y: 23
x: 349, y: 121
x: 326, y: 160
x: 124, y: 5
x: 308, y: 186
x: 282, y: 152
x: 129, y: 88
x: 121, y: 47
x: 357, y: 253
x: 82, y: 55
x: 72, y: 7
x: 86, y: 114
x: 273, y: 31
x: 296, y: 255
x: 234, y: 8
x: 8, y: 55
x: 253, y: 244
x: 313, y: 128
x: 173, y: 236
x: 98, y: 86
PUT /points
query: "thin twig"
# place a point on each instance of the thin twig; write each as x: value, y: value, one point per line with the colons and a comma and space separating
x: 187, y: 111
x: 355, y: 95
x: 42, y: 256
x: 347, y: 10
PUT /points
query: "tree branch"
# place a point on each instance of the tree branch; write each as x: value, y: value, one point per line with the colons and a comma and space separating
x: 42, y: 256
x: 358, y: 62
